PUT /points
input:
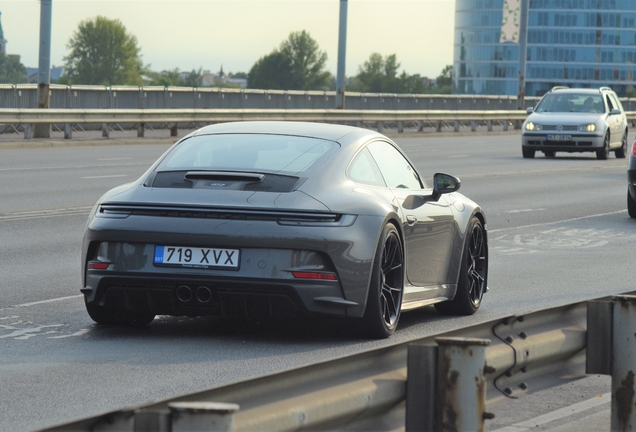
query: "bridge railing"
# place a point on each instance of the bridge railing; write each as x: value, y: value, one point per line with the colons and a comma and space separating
x: 68, y: 118
x: 442, y: 382
x: 154, y: 97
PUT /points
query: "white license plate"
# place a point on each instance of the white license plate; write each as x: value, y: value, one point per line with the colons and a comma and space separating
x: 559, y: 137
x: 196, y: 257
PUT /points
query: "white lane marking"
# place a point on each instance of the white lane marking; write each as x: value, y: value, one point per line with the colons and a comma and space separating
x: 77, y: 333
x: 26, y: 333
x: 37, y: 214
x: 558, y: 222
x: 525, y: 210
x: 47, y: 301
x: 105, y: 176
x: 71, y: 167
x: 558, y: 414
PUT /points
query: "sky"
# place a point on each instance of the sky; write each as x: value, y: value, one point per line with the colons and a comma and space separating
x: 234, y: 34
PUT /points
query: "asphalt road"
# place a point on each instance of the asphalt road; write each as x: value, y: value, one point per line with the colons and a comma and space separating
x: 559, y: 233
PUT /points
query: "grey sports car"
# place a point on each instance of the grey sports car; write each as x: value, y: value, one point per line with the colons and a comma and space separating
x: 263, y: 219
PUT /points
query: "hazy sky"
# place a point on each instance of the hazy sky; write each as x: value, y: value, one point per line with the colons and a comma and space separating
x: 189, y: 34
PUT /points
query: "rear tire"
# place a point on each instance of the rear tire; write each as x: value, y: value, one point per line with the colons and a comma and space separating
x: 621, y: 153
x: 473, y: 277
x: 604, y: 152
x: 384, y: 301
x: 631, y: 206
x: 527, y: 153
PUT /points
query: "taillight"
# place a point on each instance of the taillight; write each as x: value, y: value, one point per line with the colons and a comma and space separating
x: 634, y: 149
x: 97, y: 265
x: 314, y: 275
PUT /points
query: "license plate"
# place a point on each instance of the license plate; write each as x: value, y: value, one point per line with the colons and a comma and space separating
x: 559, y: 137
x: 196, y: 257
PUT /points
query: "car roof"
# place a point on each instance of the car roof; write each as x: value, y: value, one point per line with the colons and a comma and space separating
x: 580, y: 90
x: 325, y: 131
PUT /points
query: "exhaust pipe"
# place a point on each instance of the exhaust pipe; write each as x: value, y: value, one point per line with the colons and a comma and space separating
x: 184, y: 293
x: 204, y: 294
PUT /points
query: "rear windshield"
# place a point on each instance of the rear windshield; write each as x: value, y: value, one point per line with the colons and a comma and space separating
x: 571, y: 102
x: 248, y: 152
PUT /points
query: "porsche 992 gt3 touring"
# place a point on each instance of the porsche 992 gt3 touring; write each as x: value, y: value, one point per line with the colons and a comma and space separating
x: 263, y: 219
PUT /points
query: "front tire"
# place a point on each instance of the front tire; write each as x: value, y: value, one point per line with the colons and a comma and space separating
x: 621, y: 153
x: 473, y: 277
x: 384, y: 301
x: 631, y: 206
x: 604, y: 152
x: 527, y: 153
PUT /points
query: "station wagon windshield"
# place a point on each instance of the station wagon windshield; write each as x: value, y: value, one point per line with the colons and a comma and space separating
x: 282, y: 154
x: 571, y: 102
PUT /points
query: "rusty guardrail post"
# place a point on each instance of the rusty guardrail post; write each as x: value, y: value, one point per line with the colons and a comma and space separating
x: 611, y: 350
x: 202, y: 416
x: 461, y: 385
x: 421, y: 387
x: 624, y: 364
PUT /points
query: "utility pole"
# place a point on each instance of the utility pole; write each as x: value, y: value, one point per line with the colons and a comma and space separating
x: 44, y: 74
x: 342, y: 56
x: 523, y: 52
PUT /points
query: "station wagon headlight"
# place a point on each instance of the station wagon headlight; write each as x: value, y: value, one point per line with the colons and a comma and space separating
x: 533, y: 127
x: 587, y: 128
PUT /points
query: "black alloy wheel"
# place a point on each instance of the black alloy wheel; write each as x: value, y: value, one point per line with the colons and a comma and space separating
x: 603, y: 153
x: 621, y: 152
x: 384, y: 301
x: 472, y: 283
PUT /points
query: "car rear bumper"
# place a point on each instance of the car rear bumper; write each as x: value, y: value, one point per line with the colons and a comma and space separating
x: 270, y: 253
x: 577, y: 143
x: 189, y: 295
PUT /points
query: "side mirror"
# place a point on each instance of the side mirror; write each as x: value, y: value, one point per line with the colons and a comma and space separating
x: 530, y: 110
x: 444, y: 184
x: 615, y: 111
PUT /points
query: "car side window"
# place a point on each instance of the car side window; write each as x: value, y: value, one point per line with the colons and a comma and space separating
x: 610, y: 104
x: 616, y: 102
x: 396, y: 170
x: 364, y: 170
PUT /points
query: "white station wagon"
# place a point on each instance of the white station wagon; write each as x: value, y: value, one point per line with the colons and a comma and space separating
x: 576, y: 120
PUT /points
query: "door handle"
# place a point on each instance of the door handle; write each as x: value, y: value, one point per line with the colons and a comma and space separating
x: 410, y: 219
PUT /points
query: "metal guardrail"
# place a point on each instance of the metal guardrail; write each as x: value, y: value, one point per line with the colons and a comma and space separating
x: 523, y: 354
x: 173, y: 117
x: 156, y: 97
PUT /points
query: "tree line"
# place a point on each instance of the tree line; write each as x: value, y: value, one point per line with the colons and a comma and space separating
x: 103, y: 52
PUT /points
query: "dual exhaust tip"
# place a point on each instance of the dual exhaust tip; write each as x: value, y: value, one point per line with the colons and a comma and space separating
x: 202, y: 294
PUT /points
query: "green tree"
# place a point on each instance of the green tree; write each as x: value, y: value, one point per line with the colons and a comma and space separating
x: 444, y: 82
x: 379, y: 75
x: 307, y: 61
x: 165, y: 78
x: 273, y: 71
x: 103, y: 52
x: 297, y: 65
x: 11, y: 70
x: 194, y: 79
